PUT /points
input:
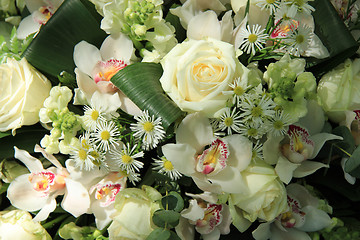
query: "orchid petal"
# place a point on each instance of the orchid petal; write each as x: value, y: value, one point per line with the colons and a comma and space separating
x: 86, y: 56
x: 49, y: 157
x: 129, y: 106
x: 230, y: 180
x: 240, y: 149
x: 320, y: 139
x: 214, y: 235
x: 184, y: 229
x: 271, y: 149
x: 195, y: 130
x: 315, y: 219
x: 314, y: 120
x: 182, y: 156
x: 262, y: 232
x: 86, y: 84
x: 204, y: 25
x: 102, y: 214
x: 117, y: 46
x: 26, y: 27
x: 76, y: 199
x: 227, y: 26
x: 301, y: 194
x: 285, y: 169
x: 224, y: 226
x: 206, y: 196
x: 22, y: 194
x: 46, y: 210
x: 316, y: 49
x: 291, y: 233
x: 193, y: 212
x: 33, y: 164
x: 241, y: 223
x: 308, y: 167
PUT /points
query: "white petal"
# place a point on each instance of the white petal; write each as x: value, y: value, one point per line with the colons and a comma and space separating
x: 86, y: 84
x: 102, y: 214
x: 315, y: 219
x: 49, y: 157
x: 26, y: 27
x: 33, y: 164
x: 262, y: 232
x: 227, y: 26
x: 271, y: 149
x: 214, y: 235
x: 182, y: 156
x: 76, y: 199
x: 301, y: 194
x: 350, y: 179
x: 316, y: 49
x: 86, y: 56
x: 308, y: 167
x: 107, y: 102
x: 193, y: 212
x: 226, y: 221
x: 46, y: 210
x: 195, y: 130
x: 291, y: 233
x: 240, y: 149
x: 117, y: 46
x: 129, y: 106
x: 285, y: 169
x: 23, y: 196
x: 203, y: 25
x: 230, y: 180
x: 185, y: 230
x: 320, y: 139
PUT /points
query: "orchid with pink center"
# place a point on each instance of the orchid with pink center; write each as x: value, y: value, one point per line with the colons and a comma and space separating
x: 218, y: 167
x: 205, y: 216
x: 38, y: 189
x: 303, y: 216
x: 96, y: 67
x: 41, y: 11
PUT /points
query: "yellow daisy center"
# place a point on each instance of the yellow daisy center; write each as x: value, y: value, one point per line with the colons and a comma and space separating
x: 228, y: 121
x: 256, y: 111
x: 239, y: 91
x: 300, y: 39
x: 126, y: 159
x: 148, y: 126
x: 168, y: 165
x: 82, y: 154
x: 94, y: 115
x: 252, y: 38
x: 105, y: 135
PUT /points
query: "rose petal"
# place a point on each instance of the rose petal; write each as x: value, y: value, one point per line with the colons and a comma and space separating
x: 203, y: 25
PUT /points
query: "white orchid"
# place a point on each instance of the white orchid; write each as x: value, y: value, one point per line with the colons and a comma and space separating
x: 41, y: 11
x: 96, y: 67
x: 303, y: 216
x: 216, y: 168
x: 38, y: 189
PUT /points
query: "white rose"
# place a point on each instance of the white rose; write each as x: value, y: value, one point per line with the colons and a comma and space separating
x: 22, y: 94
x: 18, y: 224
x: 133, y: 217
x: 196, y: 73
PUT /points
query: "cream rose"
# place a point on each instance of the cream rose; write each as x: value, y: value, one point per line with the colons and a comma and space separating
x: 22, y: 94
x: 266, y: 197
x: 196, y: 73
x: 133, y: 217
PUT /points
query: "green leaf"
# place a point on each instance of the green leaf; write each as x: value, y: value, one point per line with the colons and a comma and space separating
x: 166, y: 218
x: 334, y: 35
x: 352, y: 165
x: 159, y: 234
x: 347, y: 144
x: 52, y: 49
x: 173, y: 201
x: 140, y: 82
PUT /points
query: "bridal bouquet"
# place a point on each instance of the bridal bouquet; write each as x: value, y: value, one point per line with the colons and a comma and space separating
x: 179, y: 119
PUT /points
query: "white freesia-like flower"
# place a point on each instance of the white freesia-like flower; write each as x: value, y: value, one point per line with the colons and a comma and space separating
x: 197, y: 72
x: 18, y: 224
x: 38, y: 189
x: 205, y: 216
x: 41, y: 11
x: 96, y: 67
x: 23, y: 91
x: 215, y: 169
x: 303, y: 216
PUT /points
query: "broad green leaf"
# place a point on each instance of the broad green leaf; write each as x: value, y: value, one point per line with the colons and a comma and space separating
x: 352, y: 165
x: 334, y: 35
x: 166, y: 218
x: 52, y: 49
x: 173, y: 201
x: 159, y: 234
x: 347, y: 144
x: 140, y: 82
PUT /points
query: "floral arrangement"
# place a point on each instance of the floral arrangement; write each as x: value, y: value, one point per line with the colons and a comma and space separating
x: 179, y: 119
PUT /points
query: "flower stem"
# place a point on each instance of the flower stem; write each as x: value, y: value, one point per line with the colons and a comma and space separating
x: 54, y: 221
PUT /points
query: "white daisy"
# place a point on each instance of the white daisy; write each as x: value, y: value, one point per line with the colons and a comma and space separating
x: 165, y: 167
x: 257, y: 151
x: 303, y: 6
x: 126, y: 159
x: 299, y: 40
x: 105, y: 135
x: 253, y: 39
x: 91, y: 117
x: 278, y: 125
x: 230, y: 121
x: 272, y: 5
x: 148, y: 129
x: 238, y: 89
x: 257, y: 110
x: 252, y: 130
x: 286, y: 13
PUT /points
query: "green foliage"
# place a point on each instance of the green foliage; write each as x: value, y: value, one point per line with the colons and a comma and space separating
x: 166, y: 218
x: 352, y: 165
x: 13, y: 48
x: 173, y: 201
x: 346, y: 146
x: 162, y: 234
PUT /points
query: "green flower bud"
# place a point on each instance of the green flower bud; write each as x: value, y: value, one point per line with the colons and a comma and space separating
x: 9, y: 170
